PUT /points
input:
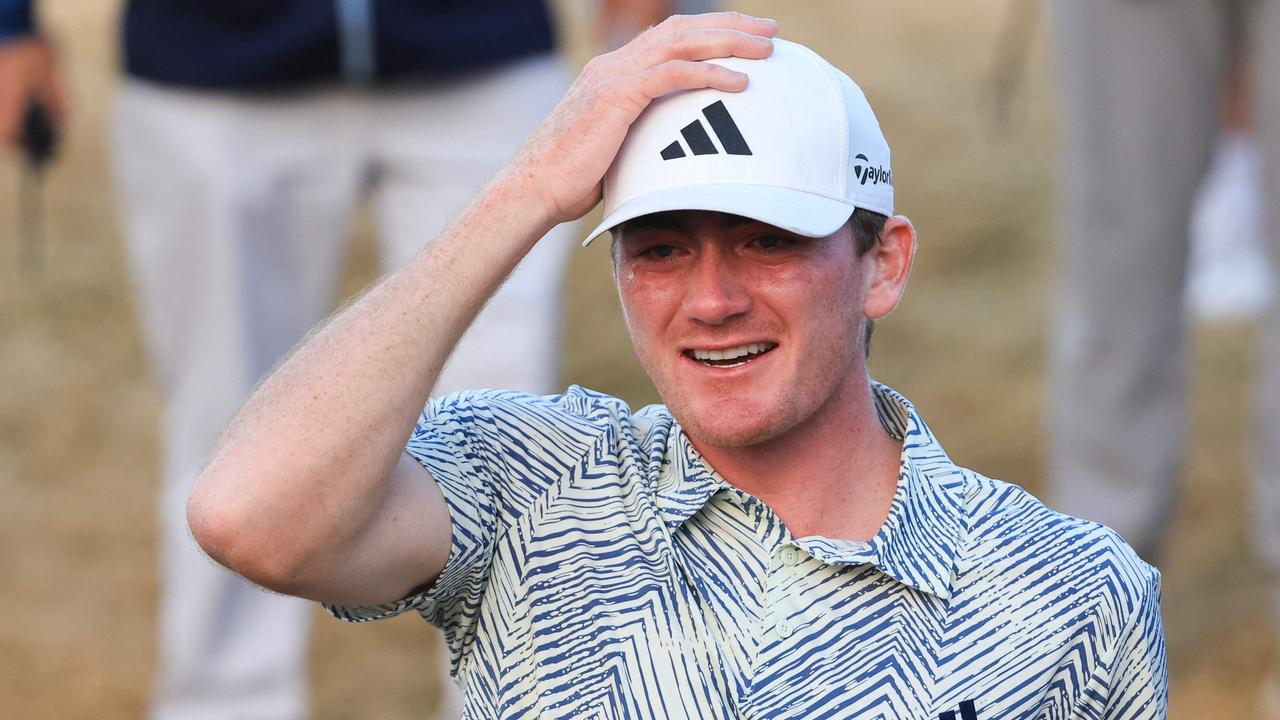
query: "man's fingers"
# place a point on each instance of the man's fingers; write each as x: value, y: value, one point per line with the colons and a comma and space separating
x: 703, y: 44
x: 689, y: 37
x: 614, y: 88
x: 675, y: 75
x: 729, y: 20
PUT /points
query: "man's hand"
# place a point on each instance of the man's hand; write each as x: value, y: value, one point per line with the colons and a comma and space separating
x: 568, y: 156
x: 28, y: 71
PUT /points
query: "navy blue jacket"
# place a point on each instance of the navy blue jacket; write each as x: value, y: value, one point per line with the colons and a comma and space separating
x: 274, y: 44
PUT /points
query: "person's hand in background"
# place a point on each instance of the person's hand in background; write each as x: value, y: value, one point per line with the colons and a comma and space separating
x: 28, y: 72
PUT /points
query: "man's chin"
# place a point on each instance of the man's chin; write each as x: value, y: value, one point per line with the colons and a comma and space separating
x: 726, y: 417
x: 728, y: 429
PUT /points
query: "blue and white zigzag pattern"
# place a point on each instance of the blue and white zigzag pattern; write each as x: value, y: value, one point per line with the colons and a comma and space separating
x: 600, y: 569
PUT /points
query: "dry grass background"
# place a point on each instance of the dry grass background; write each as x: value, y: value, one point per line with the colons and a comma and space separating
x: 78, y: 416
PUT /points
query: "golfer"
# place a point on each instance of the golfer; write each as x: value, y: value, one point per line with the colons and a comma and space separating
x: 784, y: 538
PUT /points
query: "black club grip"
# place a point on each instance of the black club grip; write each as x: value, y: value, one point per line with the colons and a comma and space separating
x: 39, y: 141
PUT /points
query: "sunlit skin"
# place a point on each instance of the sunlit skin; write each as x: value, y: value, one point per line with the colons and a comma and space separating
x: 701, y: 281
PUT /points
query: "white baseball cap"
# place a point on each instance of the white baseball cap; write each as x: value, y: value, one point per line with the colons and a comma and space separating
x: 799, y: 149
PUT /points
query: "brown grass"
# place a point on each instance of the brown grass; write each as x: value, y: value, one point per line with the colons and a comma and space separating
x: 78, y: 415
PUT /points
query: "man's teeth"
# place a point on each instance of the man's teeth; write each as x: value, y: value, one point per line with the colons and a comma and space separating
x: 734, y: 353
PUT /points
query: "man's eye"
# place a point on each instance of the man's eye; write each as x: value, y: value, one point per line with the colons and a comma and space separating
x: 773, y: 242
x: 658, y: 252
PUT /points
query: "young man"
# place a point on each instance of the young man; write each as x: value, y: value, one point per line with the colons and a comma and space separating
x: 784, y: 538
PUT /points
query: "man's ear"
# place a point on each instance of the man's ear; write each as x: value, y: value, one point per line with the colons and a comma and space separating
x: 887, y: 266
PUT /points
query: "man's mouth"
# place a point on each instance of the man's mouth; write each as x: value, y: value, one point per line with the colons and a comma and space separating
x: 730, y: 357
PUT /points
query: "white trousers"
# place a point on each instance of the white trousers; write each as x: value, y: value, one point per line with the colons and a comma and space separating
x: 1142, y: 82
x: 236, y: 211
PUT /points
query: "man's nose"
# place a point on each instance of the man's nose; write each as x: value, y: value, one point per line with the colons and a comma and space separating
x: 716, y: 292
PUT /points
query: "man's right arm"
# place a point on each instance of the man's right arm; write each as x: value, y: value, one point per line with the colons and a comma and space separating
x: 309, y: 491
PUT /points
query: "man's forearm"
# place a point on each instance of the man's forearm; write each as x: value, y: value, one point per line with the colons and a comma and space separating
x: 313, y: 447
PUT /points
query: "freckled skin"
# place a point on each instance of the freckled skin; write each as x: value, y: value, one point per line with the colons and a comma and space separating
x: 709, y: 283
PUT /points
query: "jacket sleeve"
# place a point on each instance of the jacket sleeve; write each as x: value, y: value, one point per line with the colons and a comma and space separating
x: 15, y: 19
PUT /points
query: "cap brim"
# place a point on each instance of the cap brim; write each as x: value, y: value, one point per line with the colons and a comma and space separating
x: 792, y: 210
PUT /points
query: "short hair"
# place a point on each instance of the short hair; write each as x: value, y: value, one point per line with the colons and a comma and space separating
x: 866, y: 227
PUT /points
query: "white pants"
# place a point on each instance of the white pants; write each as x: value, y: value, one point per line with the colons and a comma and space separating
x: 236, y: 210
x: 1142, y: 82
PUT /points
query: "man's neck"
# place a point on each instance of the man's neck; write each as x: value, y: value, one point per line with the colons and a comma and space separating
x: 833, y: 475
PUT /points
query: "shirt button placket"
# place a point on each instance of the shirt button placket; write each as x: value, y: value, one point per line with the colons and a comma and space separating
x: 789, y: 556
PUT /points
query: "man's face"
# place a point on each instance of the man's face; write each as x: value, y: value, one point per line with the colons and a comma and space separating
x: 746, y: 330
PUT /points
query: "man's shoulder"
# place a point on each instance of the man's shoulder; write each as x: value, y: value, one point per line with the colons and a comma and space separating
x: 576, y: 410
x: 509, y: 449
x: 1017, y: 540
x: 575, y: 403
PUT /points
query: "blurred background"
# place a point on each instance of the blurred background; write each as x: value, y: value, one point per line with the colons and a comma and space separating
x: 975, y: 167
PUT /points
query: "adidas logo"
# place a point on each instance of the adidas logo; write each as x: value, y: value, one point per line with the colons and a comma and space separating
x: 725, y: 129
x: 968, y: 711
x: 874, y: 175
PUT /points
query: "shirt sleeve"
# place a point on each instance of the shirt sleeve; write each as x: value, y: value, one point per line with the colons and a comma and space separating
x: 15, y: 19
x: 450, y: 441
x: 1139, y: 683
x: 493, y: 454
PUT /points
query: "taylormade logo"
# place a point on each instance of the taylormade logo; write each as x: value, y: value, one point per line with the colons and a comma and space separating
x: 867, y: 174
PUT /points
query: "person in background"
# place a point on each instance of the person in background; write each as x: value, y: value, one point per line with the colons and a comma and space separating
x: 1228, y: 276
x: 246, y: 135
x: 1143, y: 83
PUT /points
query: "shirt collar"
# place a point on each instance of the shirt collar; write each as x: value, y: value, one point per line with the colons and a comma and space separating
x: 918, y: 543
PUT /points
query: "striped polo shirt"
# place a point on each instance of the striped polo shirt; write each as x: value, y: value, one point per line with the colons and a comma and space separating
x: 601, y: 569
